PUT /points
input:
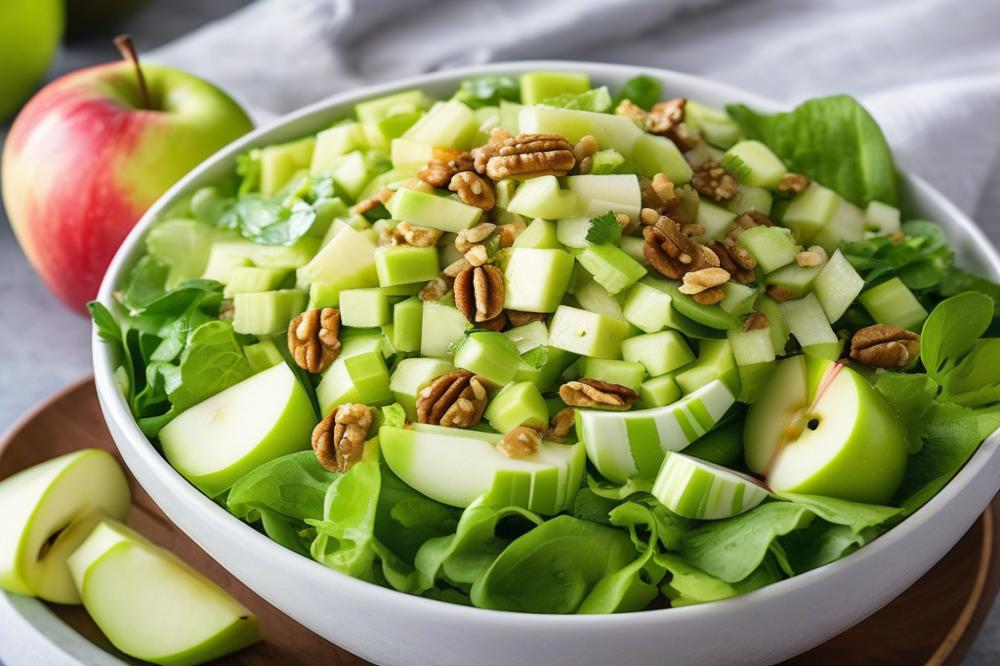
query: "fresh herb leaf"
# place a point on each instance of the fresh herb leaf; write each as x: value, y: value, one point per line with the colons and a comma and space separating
x: 604, y: 229
x: 958, y: 280
x: 488, y: 91
x: 107, y: 326
x: 951, y: 330
x: 833, y: 140
x: 269, y: 220
x: 597, y: 100
x: 648, y: 521
x: 643, y: 91
x: 922, y: 259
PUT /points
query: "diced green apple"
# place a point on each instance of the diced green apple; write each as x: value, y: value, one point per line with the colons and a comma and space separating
x: 490, y: 355
x: 611, y: 131
x: 587, y: 333
x: 655, y: 154
x: 541, y: 234
x: 536, y: 280
x: 262, y: 355
x: 715, y: 361
x: 738, y: 299
x: 447, y: 125
x: 658, y: 391
x: 347, y: 261
x: 279, y: 163
x: 364, y: 308
x: 249, y: 279
x: 882, y: 218
x: 222, y: 438
x: 701, y: 490
x: 333, y: 143
x: 709, y: 315
x: 528, y: 336
x: 716, y: 220
x: 610, y: 267
x: 48, y: 510
x: 125, y: 580
x: 536, y: 87
x: 407, y: 319
x: 716, y: 126
x: 272, y: 256
x: 542, y: 197
x: 440, y: 327
x: 837, y: 285
x: 775, y: 322
x: 751, y: 199
x: 659, y: 352
x: 517, y: 404
x: 405, y: 264
x: 456, y: 466
x: 221, y: 264
x: 409, y: 157
x: 794, y: 278
x: 822, y: 429
x: 810, y: 211
x: 846, y: 226
x: 623, y: 445
x: 373, y: 112
x: 619, y: 193
x: 572, y: 232
x: 430, y: 210
x: 359, y: 374
x: 771, y: 247
x: 807, y: 321
x: 891, y: 302
x: 755, y: 164
x: 623, y: 373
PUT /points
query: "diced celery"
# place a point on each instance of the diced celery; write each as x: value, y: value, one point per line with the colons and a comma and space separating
x: 266, y: 313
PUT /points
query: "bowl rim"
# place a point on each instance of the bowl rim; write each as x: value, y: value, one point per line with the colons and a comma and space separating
x: 116, y: 410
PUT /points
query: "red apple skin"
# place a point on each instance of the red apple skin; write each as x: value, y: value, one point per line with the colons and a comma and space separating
x: 84, y: 161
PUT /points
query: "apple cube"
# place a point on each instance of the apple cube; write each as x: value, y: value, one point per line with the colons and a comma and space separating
x: 540, y: 235
x: 528, y: 336
x: 364, y: 308
x: 372, y: 112
x: 807, y: 321
x: 125, y: 579
x: 536, y: 87
x: 796, y: 279
x: 810, y: 211
x: 405, y: 264
x: 656, y: 154
x: 882, y: 218
x: 772, y: 247
x: 441, y: 327
x: 221, y: 264
x: 716, y: 220
x: 490, y: 355
x: 48, y: 510
x: 267, y: 312
x: 347, y: 260
x: 775, y: 322
x: 587, y: 333
x: 250, y: 279
x: 515, y: 405
x: 279, y: 163
x: 611, y: 131
x: 554, y: 362
x: 536, y: 280
x: 658, y: 391
x: 715, y: 361
x: 659, y: 352
x: 411, y: 375
x: 837, y: 285
x: 846, y: 226
x: 262, y: 355
x: 447, y: 125
x: 542, y: 197
x: 891, y: 302
x: 738, y: 299
x: 612, y: 269
x: 647, y: 307
x: 430, y: 210
x: 619, y: 193
x: 751, y: 199
x: 332, y: 143
x: 624, y: 373
x: 222, y: 438
x: 755, y: 164
x: 592, y: 296
x: 407, y: 319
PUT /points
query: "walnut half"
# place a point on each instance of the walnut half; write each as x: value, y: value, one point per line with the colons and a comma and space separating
x: 313, y: 338
x: 885, y: 346
x: 594, y: 393
x: 454, y: 400
x: 339, y: 439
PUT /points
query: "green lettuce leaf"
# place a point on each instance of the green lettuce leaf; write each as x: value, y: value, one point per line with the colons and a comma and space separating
x: 855, y: 515
x: 212, y: 361
x: 643, y: 91
x: 631, y: 588
x: 822, y: 542
x: 911, y: 396
x: 688, y: 585
x: 597, y: 100
x: 833, y: 140
x: 951, y: 330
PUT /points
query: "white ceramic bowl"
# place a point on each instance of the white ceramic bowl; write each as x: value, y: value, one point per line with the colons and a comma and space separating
x: 389, y: 627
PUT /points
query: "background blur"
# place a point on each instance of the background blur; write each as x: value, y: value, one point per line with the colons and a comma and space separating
x: 929, y: 70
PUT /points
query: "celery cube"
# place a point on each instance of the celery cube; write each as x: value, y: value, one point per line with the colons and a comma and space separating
x: 517, y: 404
x: 407, y: 320
x: 587, y: 333
x: 490, y: 355
x: 405, y: 264
x: 249, y: 279
x: 364, y: 308
x: 659, y: 352
x: 267, y: 312
x: 429, y: 210
x: 612, y: 269
x: 536, y: 279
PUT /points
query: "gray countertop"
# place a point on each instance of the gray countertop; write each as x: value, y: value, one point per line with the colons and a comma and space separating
x: 44, y: 347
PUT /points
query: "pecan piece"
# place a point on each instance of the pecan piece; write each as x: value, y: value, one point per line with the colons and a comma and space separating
x: 631, y: 110
x: 444, y: 164
x: 755, y: 321
x: 313, y: 338
x: 526, y: 156
x: 735, y: 259
x: 885, y: 346
x: 520, y: 318
x: 561, y: 423
x: 473, y: 190
x: 669, y: 251
x: 510, y: 231
x: 520, y: 442
x: 793, y: 183
x: 454, y: 400
x: 479, y: 293
x: 667, y: 119
x: 339, y: 439
x: 583, y: 152
x: 713, y: 181
x: 595, y: 393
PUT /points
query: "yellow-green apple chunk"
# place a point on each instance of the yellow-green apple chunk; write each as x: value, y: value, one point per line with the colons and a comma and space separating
x: 455, y: 466
x: 822, y: 429
x: 220, y: 439
x: 47, y: 510
x: 623, y: 445
x: 536, y: 279
x: 154, y: 607
x: 698, y: 489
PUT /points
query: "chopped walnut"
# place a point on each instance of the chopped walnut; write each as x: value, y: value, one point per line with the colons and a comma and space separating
x: 755, y: 321
x: 595, y: 393
x: 479, y: 293
x: 434, y: 290
x: 454, y: 400
x: 561, y: 423
x: 339, y: 439
x: 814, y: 256
x: 713, y: 181
x: 525, y: 156
x: 520, y: 442
x: 735, y: 259
x: 885, y: 346
x: 781, y: 294
x: 510, y: 231
x: 692, y: 229
x: 631, y: 110
x: 467, y: 238
x: 521, y: 318
x: 793, y: 183
x: 669, y: 251
x: 444, y: 164
x: 710, y: 296
x: 405, y: 233
x: 456, y: 267
x: 473, y: 190
x: 665, y: 116
x: 695, y: 282
x: 313, y: 338
x: 372, y: 202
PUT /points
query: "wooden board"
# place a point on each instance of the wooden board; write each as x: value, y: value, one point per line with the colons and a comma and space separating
x: 932, y: 623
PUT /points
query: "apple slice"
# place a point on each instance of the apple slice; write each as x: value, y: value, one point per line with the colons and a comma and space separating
x: 220, y: 439
x: 456, y: 466
x: 48, y: 510
x: 623, y: 445
x: 821, y: 429
x: 154, y: 607
x: 698, y: 489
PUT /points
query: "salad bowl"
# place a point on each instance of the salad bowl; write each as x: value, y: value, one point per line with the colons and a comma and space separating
x: 388, y: 627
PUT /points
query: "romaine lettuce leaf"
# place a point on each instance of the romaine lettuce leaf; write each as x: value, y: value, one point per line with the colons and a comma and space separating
x: 688, y: 585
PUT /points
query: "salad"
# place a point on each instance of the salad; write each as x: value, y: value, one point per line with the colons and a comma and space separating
x: 553, y: 348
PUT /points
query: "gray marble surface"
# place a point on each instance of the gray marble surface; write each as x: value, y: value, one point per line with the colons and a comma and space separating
x: 44, y: 347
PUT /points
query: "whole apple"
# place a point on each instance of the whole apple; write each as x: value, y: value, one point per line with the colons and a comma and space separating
x: 88, y: 155
x: 30, y: 31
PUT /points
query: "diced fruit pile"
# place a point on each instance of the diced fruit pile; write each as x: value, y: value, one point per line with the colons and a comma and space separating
x: 466, y: 347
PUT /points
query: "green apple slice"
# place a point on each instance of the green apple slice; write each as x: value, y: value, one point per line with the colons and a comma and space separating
x: 623, y: 445
x: 154, y: 607
x: 48, y: 510
x: 698, y: 489
x: 455, y: 466
x: 821, y: 429
x: 220, y: 439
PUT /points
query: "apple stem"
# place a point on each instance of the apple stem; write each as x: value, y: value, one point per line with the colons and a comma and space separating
x: 127, y: 49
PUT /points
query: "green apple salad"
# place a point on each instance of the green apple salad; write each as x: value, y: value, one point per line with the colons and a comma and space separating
x: 554, y: 348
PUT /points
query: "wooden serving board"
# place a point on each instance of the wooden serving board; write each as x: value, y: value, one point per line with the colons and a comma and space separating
x: 932, y: 623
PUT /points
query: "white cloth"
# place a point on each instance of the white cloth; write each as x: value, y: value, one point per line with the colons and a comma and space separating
x: 929, y: 70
